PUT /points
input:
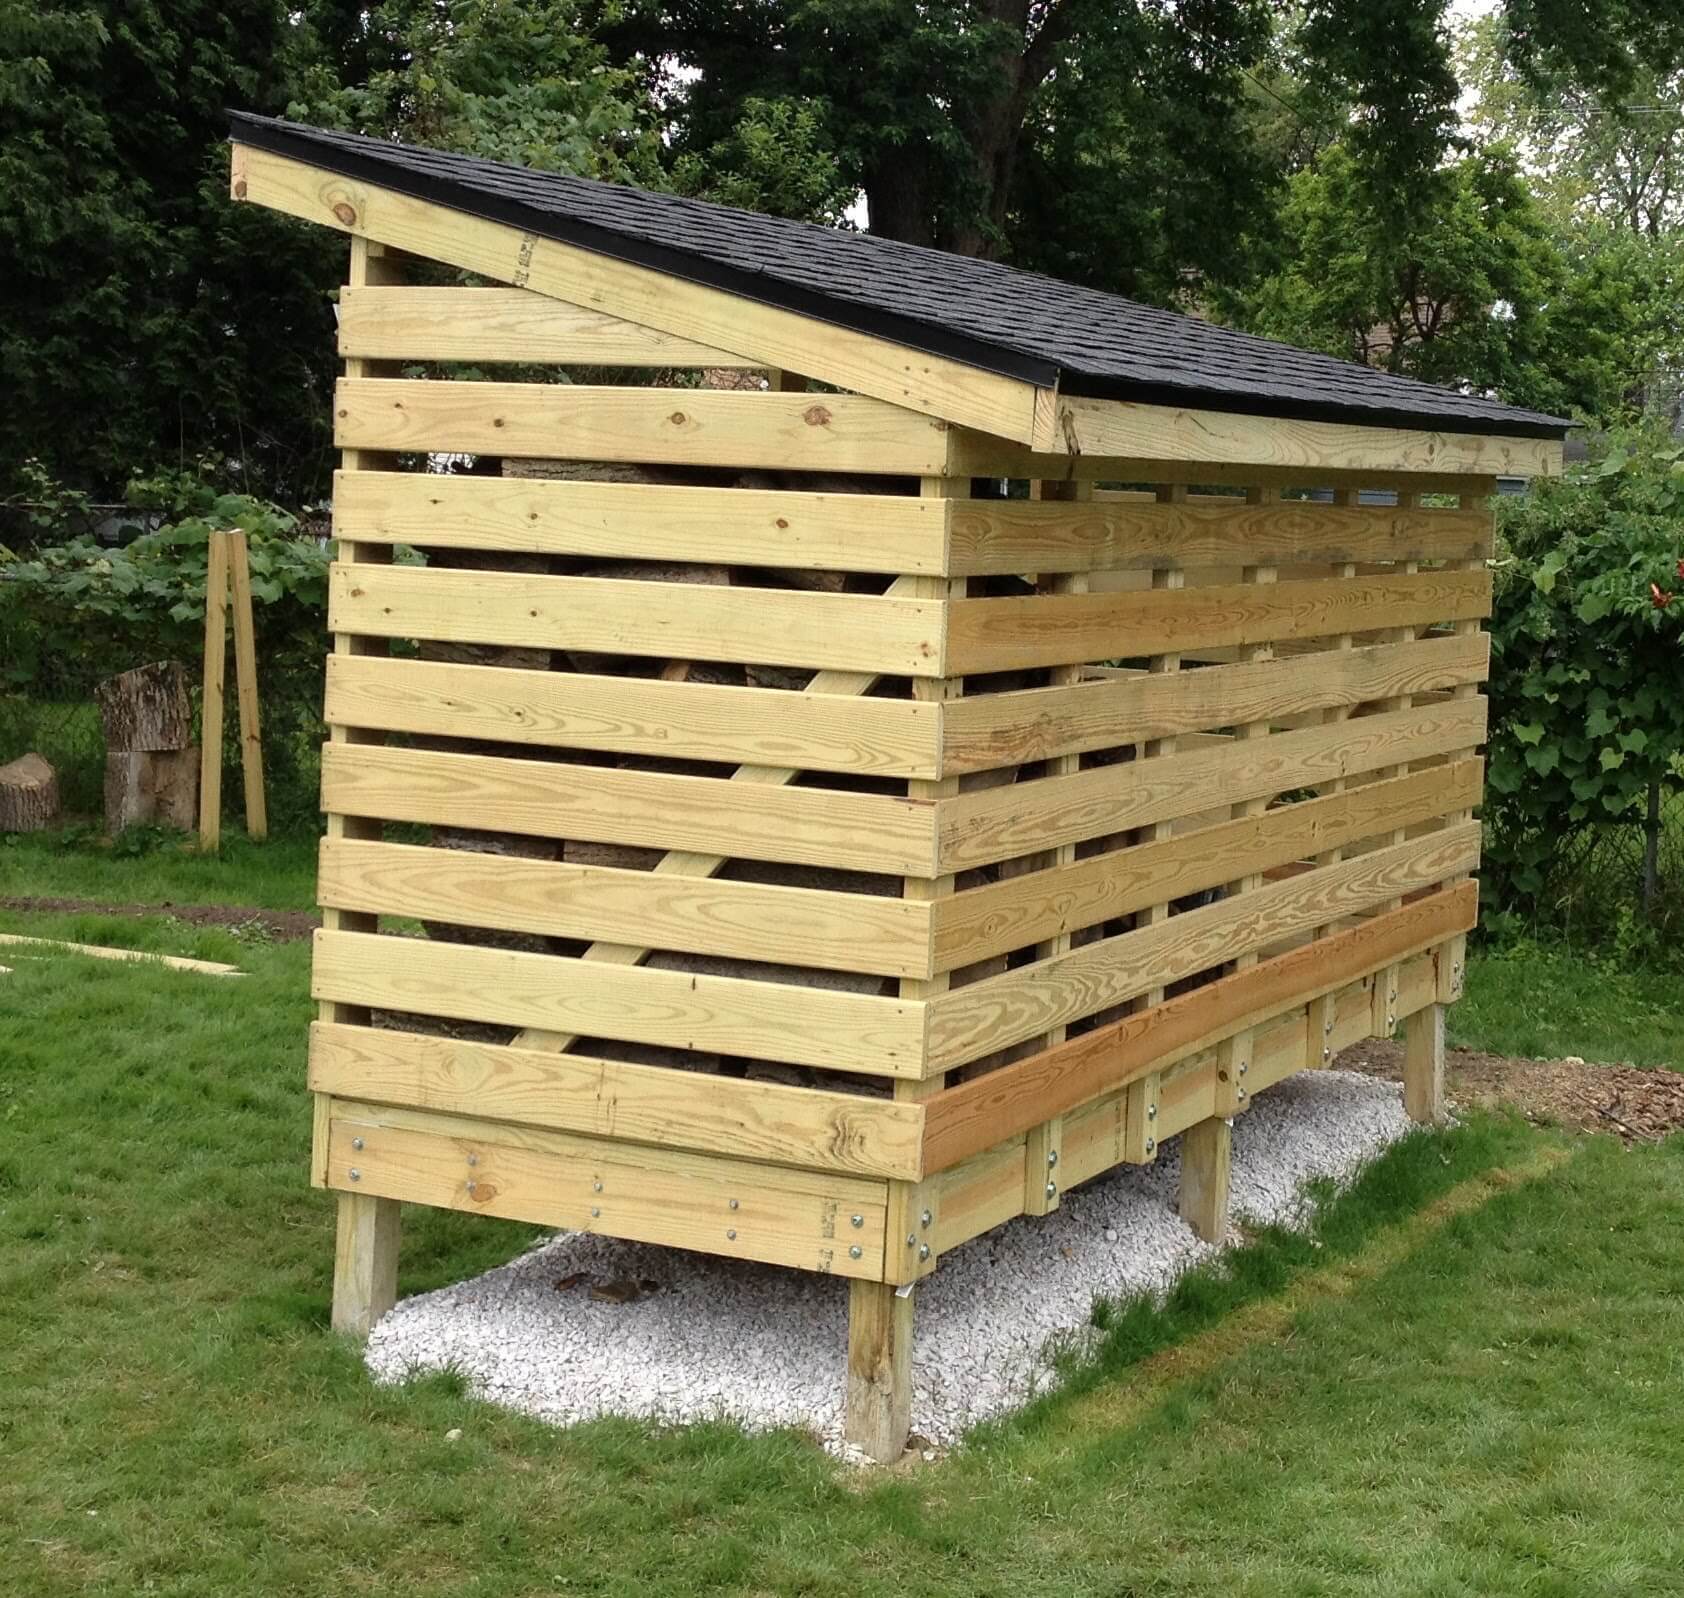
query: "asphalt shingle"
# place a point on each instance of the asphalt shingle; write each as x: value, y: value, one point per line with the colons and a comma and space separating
x: 990, y: 315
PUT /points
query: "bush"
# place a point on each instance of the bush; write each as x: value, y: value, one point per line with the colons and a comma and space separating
x: 1587, y: 667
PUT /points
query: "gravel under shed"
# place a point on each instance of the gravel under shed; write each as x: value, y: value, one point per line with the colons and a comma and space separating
x: 709, y: 1337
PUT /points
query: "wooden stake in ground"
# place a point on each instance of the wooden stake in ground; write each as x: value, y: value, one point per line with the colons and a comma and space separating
x: 28, y: 795
x: 229, y: 567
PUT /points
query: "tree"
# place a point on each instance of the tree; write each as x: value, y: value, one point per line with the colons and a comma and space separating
x: 144, y: 320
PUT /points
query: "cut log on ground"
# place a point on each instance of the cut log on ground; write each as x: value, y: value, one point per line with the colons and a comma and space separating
x: 28, y: 795
x: 147, y: 708
x: 152, y: 787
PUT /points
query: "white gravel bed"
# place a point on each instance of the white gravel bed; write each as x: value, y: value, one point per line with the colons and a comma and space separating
x: 766, y: 1346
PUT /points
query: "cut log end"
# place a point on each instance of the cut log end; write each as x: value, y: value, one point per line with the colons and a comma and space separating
x: 28, y: 795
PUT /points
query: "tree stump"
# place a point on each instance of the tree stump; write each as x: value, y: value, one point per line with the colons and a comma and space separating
x: 28, y: 795
x: 151, y: 762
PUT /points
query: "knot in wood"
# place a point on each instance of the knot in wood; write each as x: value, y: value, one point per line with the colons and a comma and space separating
x: 346, y: 213
x: 815, y: 416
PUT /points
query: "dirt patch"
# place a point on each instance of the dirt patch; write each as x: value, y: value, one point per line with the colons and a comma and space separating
x: 280, y: 926
x: 1636, y: 1104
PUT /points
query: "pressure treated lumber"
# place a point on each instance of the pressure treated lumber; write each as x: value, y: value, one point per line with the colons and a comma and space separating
x: 636, y: 716
x: 29, y: 799
x: 1048, y: 630
x: 486, y: 325
x: 965, y: 1119
x: 667, y: 1196
x: 1020, y: 910
x: 973, y: 1021
x: 647, y: 809
x: 176, y: 962
x: 1206, y: 1155
x: 687, y: 427
x: 922, y: 382
x: 990, y: 730
x: 798, y: 1126
x: 685, y: 621
x: 211, y: 699
x: 245, y: 678
x: 879, y: 1398
x: 365, y: 1262
x: 745, y: 920
x: 1423, y: 1065
x: 673, y: 1009
x: 804, y: 530
x: 1052, y: 535
x: 981, y: 827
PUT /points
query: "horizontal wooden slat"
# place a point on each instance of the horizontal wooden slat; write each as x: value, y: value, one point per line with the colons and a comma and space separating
x: 960, y: 1121
x: 1052, y: 629
x: 1018, y: 911
x: 407, y: 323
x: 682, y: 621
x: 588, y: 1185
x: 649, y: 809
x: 1026, y: 817
x: 973, y: 1021
x: 1004, y: 536
x: 644, y: 521
x: 635, y: 716
x: 990, y: 730
x: 684, y: 427
x: 932, y: 385
x: 608, y: 1098
x: 675, y: 1009
x: 744, y: 920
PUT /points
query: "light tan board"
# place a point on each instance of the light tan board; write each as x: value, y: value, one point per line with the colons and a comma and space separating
x: 647, y: 809
x: 727, y: 1015
x: 744, y: 920
x: 644, y: 521
x: 779, y: 1216
x: 682, y: 621
x: 636, y: 716
x: 488, y: 325
x: 609, y: 1099
x: 974, y: 1021
x: 1002, y: 823
x: 1010, y: 536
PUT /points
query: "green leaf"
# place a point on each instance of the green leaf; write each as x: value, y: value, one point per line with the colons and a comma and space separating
x: 1528, y: 732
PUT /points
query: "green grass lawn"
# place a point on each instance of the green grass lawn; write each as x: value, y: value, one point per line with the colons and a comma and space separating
x: 1464, y: 1383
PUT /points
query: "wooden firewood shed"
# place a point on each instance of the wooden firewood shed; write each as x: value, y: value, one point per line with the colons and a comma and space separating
x: 871, y: 799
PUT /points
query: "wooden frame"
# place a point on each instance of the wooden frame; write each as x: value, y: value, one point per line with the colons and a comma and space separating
x: 822, y: 859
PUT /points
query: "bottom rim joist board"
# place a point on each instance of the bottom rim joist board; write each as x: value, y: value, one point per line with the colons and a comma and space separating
x: 1144, y: 1079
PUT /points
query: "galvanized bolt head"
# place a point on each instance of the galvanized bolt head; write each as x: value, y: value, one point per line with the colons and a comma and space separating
x: 731, y: 1234
x: 473, y: 1159
x: 357, y: 1143
x: 731, y: 1204
x: 596, y: 1187
x: 1244, y: 1067
x: 356, y: 1175
x: 925, y: 1217
x: 1052, y: 1158
x: 1327, y: 1030
x: 1327, y: 1054
x: 1241, y: 1093
x: 1391, y: 998
x: 1052, y: 1189
x: 911, y: 1239
x: 595, y: 1211
x: 924, y: 1251
x: 1150, y: 1145
x: 855, y: 1252
x: 856, y: 1220
x: 472, y: 1184
x: 1151, y: 1112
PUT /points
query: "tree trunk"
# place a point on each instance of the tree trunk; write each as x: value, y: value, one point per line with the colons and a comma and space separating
x: 146, y: 708
x: 152, y: 787
x: 28, y: 795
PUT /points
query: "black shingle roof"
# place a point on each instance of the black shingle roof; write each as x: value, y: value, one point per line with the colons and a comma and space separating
x: 996, y: 317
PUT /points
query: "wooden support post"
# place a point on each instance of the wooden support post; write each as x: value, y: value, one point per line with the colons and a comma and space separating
x: 879, y: 1409
x: 1423, y: 1065
x: 1206, y: 1152
x: 245, y: 678
x: 216, y: 666
x: 365, y: 1262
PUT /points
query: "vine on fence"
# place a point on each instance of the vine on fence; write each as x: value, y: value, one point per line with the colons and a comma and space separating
x: 1587, y: 672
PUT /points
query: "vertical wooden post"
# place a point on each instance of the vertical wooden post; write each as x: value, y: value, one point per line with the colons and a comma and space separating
x: 245, y: 678
x: 1423, y: 1065
x: 879, y: 1412
x: 1206, y: 1151
x: 216, y: 669
x: 365, y: 1263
